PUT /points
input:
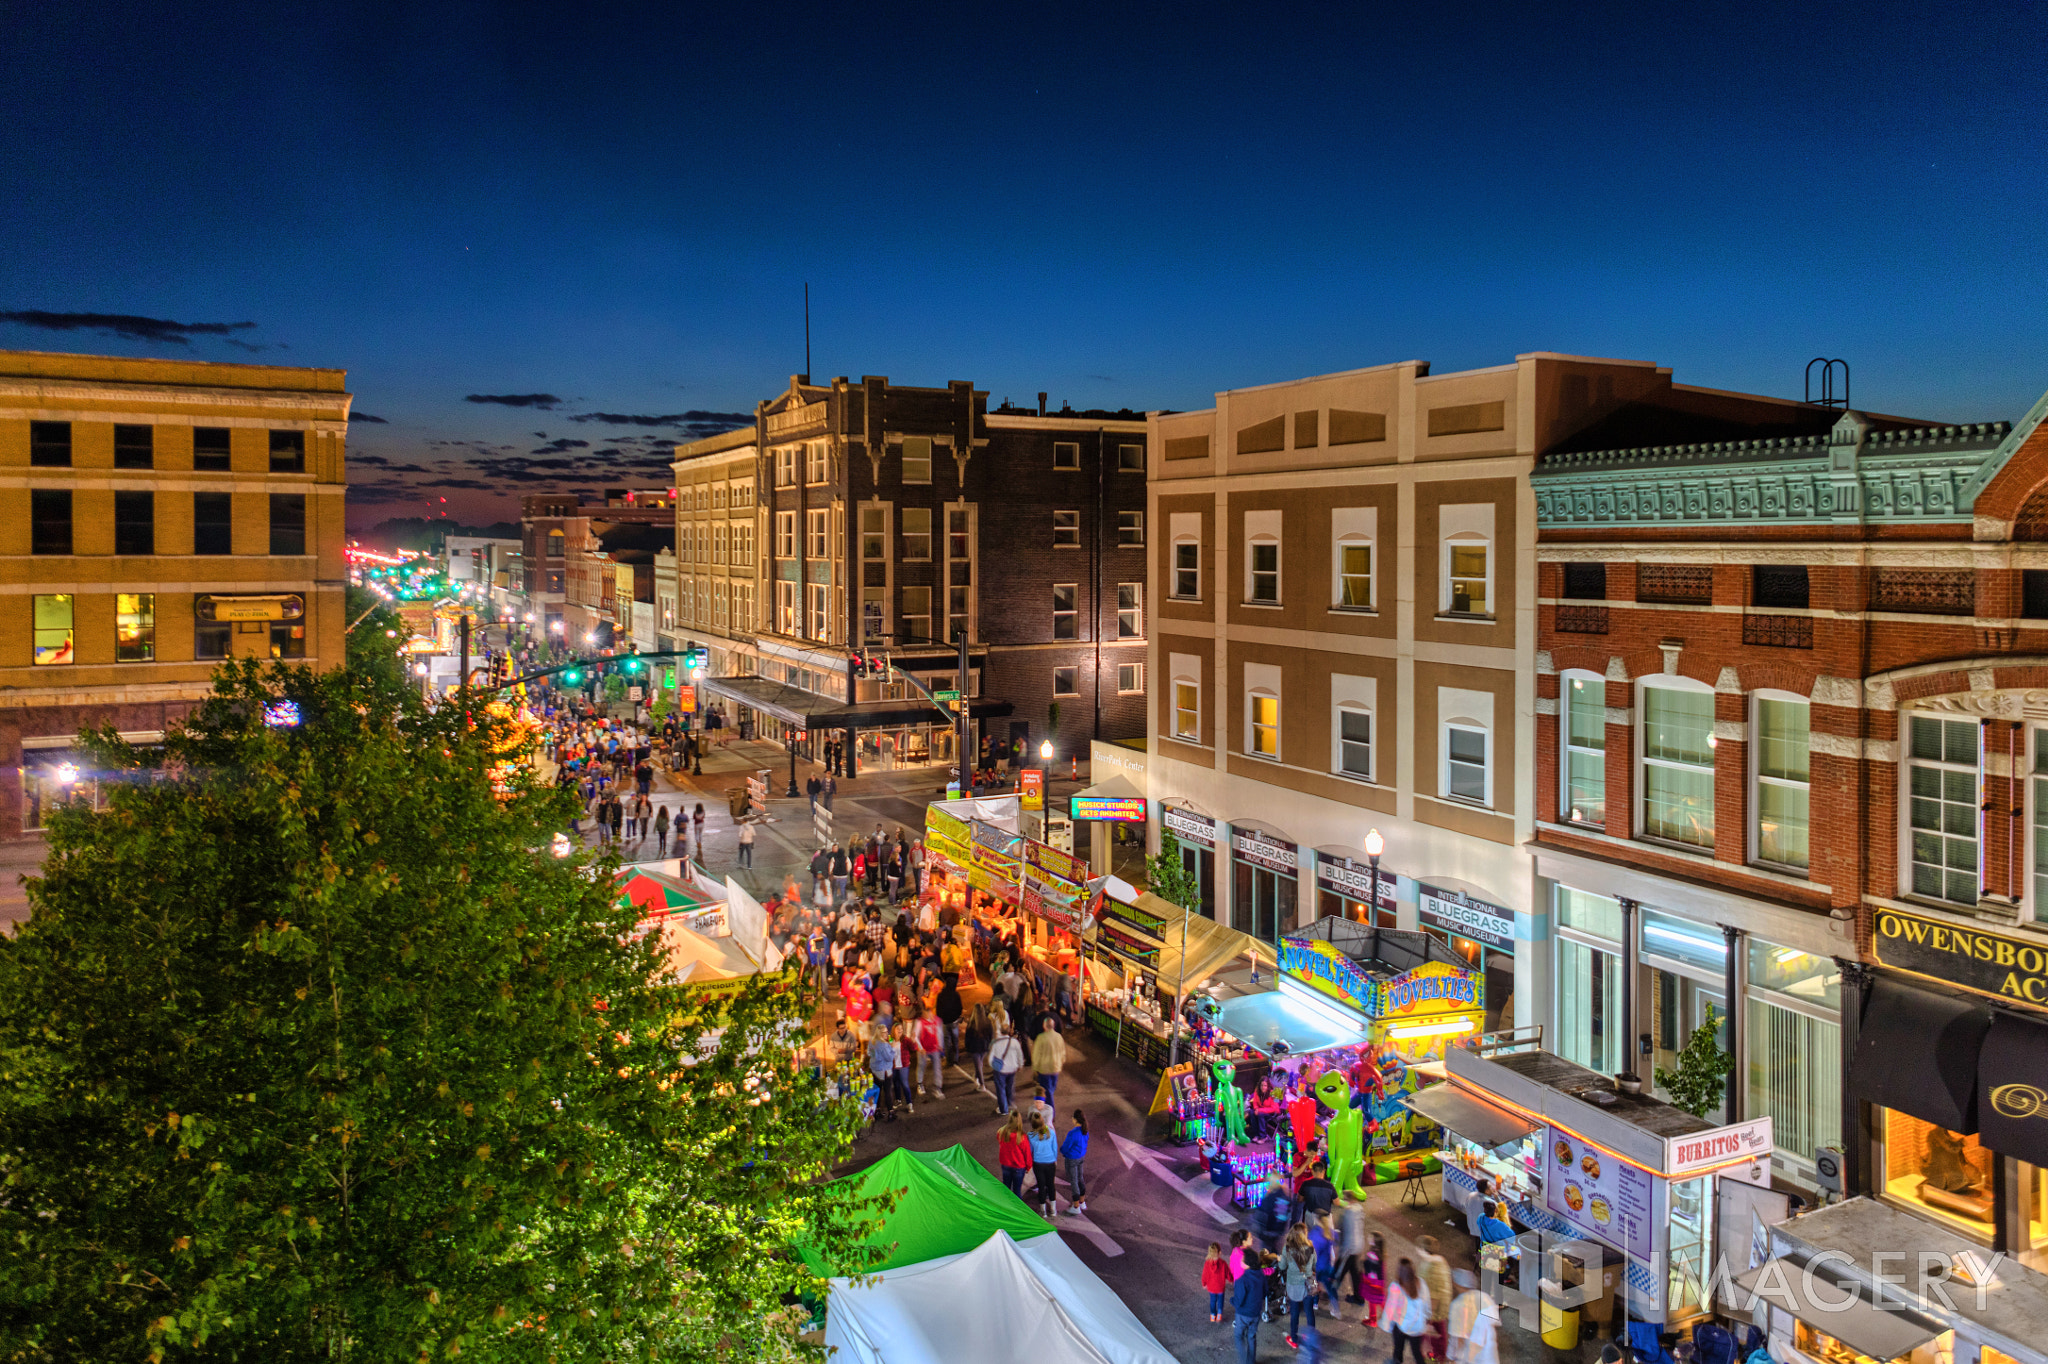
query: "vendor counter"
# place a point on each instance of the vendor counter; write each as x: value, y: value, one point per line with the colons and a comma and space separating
x: 1134, y: 1036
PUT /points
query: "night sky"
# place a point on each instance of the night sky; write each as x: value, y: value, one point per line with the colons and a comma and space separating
x: 600, y: 220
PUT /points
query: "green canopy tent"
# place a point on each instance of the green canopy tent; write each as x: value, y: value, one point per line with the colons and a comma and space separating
x: 948, y: 1205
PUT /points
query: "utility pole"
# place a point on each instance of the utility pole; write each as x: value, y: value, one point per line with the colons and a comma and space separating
x: 960, y: 739
x: 462, y: 677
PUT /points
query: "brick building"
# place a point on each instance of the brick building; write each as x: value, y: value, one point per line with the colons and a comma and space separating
x: 888, y: 518
x: 569, y: 580
x: 1792, y: 752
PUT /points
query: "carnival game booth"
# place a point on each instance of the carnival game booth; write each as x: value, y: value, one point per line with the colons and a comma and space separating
x: 972, y: 1273
x: 1572, y: 1152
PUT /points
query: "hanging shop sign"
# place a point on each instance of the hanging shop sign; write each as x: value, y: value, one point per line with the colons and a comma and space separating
x: 1456, y: 912
x: 1031, y: 789
x: 1752, y: 1140
x: 1432, y: 988
x: 1186, y: 825
x: 1322, y: 967
x: 1131, y: 917
x: 1991, y: 963
x: 1275, y: 854
x: 1063, y: 865
x: 1353, y: 880
x: 1598, y: 1193
x: 996, y: 839
x: 1107, y: 809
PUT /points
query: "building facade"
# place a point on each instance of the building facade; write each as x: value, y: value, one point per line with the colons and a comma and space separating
x: 156, y: 517
x: 888, y: 522
x: 1343, y: 595
x: 1793, y: 701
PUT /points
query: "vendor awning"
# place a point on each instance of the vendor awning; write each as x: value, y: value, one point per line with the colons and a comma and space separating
x: 1470, y: 1116
x: 1917, y: 1052
x: 794, y: 706
x: 1835, y: 1309
x: 1210, y: 946
x: 1274, y: 1016
x: 1114, y: 788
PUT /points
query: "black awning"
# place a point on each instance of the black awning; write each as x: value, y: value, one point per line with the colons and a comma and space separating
x: 2012, y: 1088
x: 808, y: 710
x: 1917, y: 1052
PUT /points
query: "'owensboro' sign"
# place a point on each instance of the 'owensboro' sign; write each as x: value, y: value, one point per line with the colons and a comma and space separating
x: 2011, y: 968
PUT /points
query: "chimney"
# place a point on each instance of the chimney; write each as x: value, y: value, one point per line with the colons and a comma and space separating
x: 1041, y: 404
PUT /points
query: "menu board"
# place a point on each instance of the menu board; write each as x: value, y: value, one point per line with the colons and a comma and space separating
x: 1600, y: 1194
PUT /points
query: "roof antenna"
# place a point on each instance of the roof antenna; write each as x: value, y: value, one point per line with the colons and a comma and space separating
x: 807, y: 331
x: 1827, y: 396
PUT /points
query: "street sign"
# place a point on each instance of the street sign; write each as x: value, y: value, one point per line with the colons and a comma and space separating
x: 946, y: 695
x: 632, y: 693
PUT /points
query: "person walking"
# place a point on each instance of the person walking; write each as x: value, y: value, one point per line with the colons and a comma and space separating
x: 931, y: 1055
x: 1048, y: 1058
x: 1406, y: 1314
x: 1013, y: 1154
x: 1474, y: 1322
x: 949, y: 1006
x: 1372, y: 1277
x: 1298, y: 1268
x: 697, y: 831
x: 842, y: 867
x: 1215, y: 1280
x: 1436, y: 1277
x: 661, y: 833
x: 1044, y: 1164
x: 1247, y: 1303
x: 1005, y: 1059
x: 1073, y: 1152
x: 618, y: 817
x: 1350, y: 1244
x: 747, y: 844
x: 643, y: 813
x: 975, y: 1040
x: 882, y: 1065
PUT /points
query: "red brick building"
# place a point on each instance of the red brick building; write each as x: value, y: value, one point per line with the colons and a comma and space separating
x: 1793, y: 753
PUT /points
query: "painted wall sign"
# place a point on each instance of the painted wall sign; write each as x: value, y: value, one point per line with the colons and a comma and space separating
x: 2010, y: 968
x: 1272, y: 853
x: 1187, y: 826
x: 1459, y: 913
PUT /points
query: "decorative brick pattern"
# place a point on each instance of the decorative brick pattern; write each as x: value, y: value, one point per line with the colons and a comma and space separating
x: 1675, y: 584
x: 1582, y: 620
x: 1778, y: 632
x: 1924, y: 591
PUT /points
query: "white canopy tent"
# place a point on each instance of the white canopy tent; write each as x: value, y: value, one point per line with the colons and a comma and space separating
x: 1002, y: 1302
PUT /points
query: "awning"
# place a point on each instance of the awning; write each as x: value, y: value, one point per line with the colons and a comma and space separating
x: 2012, y: 1088
x: 1114, y: 788
x: 1470, y: 1116
x: 1833, y: 1308
x: 1273, y: 1016
x: 1210, y: 946
x: 1917, y: 1052
x: 807, y: 709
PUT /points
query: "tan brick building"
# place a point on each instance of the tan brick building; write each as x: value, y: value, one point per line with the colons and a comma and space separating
x: 156, y: 516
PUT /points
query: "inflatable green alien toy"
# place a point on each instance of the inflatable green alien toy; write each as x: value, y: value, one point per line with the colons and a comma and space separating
x: 1229, y: 1101
x: 1347, y: 1133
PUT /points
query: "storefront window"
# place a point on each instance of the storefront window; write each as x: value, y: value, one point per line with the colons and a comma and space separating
x: 1589, y: 1026
x: 1943, y: 1173
x: 2034, y: 1196
x: 1264, y: 902
x: 1597, y: 915
x: 1802, y: 975
x: 1700, y: 946
x: 1692, y: 1243
x: 1795, y: 1077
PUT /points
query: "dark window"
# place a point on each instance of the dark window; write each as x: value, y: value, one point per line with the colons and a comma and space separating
x: 1585, y: 582
x: 287, y: 523
x: 134, y: 523
x: 213, y: 525
x: 1782, y: 586
x: 287, y: 452
x: 49, y: 514
x: 134, y: 447
x: 2034, y: 593
x: 288, y: 639
x: 49, y: 444
x: 211, y: 451
x: 210, y: 639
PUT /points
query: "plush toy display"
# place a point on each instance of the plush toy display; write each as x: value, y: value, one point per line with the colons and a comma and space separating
x: 1347, y: 1133
x: 1229, y: 1101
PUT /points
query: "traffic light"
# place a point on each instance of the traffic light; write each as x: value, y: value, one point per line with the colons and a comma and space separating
x: 632, y: 665
x: 573, y: 676
x: 668, y: 679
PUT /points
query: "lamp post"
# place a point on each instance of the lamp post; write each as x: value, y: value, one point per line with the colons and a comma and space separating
x: 1374, y: 846
x: 1045, y: 751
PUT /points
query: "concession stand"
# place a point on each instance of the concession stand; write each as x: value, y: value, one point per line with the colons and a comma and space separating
x: 1153, y: 954
x: 1013, y: 889
x: 1570, y: 1152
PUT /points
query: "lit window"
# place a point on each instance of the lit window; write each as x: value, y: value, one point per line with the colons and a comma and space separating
x: 1942, y: 808
x: 1265, y: 723
x: 1354, y: 575
x: 917, y: 532
x: 1066, y: 530
x: 53, y: 623
x: 917, y: 459
x: 1678, y: 765
x: 1781, y: 781
x: 1467, y: 562
x: 134, y: 627
x: 1187, y: 711
x: 1585, y: 750
x: 873, y: 537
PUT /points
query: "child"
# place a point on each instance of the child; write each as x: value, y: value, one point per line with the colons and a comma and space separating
x: 1216, y: 1279
x: 1073, y: 1151
x: 1374, y: 1272
x: 1013, y: 1154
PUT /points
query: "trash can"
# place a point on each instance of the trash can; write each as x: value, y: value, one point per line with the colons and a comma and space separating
x: 1560, y: 1324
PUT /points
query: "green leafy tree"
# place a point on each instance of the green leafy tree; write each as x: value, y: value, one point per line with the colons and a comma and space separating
x: 375, y: 633
x: 1699, y: 1078
x: 310, y: 1049
x: 1168, y: 877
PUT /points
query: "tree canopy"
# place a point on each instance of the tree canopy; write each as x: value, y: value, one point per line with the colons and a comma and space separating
x: 310, y: 1049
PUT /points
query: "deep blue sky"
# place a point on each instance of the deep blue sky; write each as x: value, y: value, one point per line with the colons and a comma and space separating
x: 1123, y: 206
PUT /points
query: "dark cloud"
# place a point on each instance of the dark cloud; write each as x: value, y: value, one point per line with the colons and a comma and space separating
x: 691, y: 418
x: 559, y: 444
x: 375, y: 461
x: 127, y: 326
x: 546, y: 402
x: 366, y: 417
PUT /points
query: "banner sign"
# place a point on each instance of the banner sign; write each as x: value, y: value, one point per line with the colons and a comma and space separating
x: 1321, y: 966
x: 1272, y: 853
x: 996, y: 839
x: 1459, y: 913
x: 1185, y: 825
x: 1605, y: 1197
x: 1107, y: 809
x: 1435, y: 987
x: 686, y: 699
x: 1353, y: 880
x: 1042, y: 898
x: 1131, y: 917
x: 1061, y: 864
x: 224, y: 609
x: 1031, y: 789
x: 1130, y: 947
x: 946, y: 825
x: 1991, y: 963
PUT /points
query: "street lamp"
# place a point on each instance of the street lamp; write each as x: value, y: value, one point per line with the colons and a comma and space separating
x: 1045, y: 750
x: 1374, y: 846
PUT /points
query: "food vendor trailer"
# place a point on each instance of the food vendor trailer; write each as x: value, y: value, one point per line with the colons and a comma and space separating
x: 1574, y: 1154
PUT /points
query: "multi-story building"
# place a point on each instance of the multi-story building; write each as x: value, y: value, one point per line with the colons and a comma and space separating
x: 891, y: 521
x: 1344, y: 606
x: 545, y: 522
x: 492, y: 565
x: 569, y: 576
x: 717, y: 571
x: 156, y: 517
x: 1789, y: 780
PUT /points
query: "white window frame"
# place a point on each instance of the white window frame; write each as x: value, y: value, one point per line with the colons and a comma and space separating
x: 1135, y: 611
x: 1907, y: 763
x: 879, y: 513
x: 1464, y: 725
x: 818, y: 611
x: 1757, y: 779
x: 1135, y: 674
x: 785, y: 466
x: 1468, y: 712
x: 1643, y: 762
x: 1185, y: 531
x: 1070, y: 528
x: 1130, y: 530
x: 1066, y: 455
x: 1071, y: 615
x: 1461, y: 526
x: 817, y: 463
x: 1262, y: 683
x: 1354, y: 527
x: 1354, y: 695
x: 817, y: 533
x: 1186, y: 681
x: 1073, y: 682
x: 1598, y: 683
x: 785, y: 535
x: 789, y: 602
x: 1262, y: 531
